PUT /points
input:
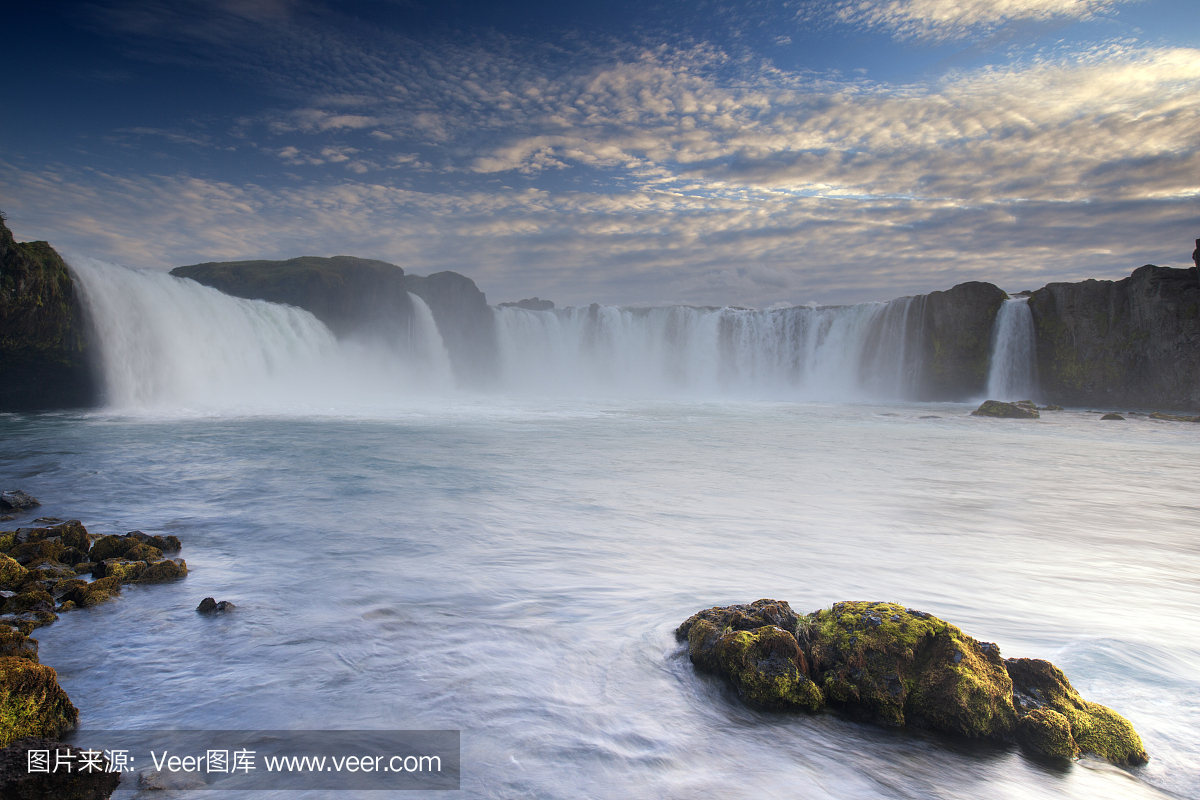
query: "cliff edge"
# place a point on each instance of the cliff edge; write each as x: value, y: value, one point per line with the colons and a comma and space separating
x: 43, y: 341
x: 1130, y: 343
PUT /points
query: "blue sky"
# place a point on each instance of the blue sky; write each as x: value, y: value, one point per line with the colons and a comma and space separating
x: 746, y: 153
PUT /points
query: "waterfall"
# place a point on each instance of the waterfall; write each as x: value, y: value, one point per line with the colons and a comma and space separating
x: 167, y: 342
x: 1012, y: 370
x: 871, y: 350
x: 163, y: 342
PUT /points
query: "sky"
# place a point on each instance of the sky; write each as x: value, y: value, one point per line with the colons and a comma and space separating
x: 631, y: 152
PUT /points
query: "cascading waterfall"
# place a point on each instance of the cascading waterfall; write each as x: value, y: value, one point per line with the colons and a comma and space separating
x: 826, y: 353
x: 167, y: 342
x: 1012, y: 370
x: 170, y: 343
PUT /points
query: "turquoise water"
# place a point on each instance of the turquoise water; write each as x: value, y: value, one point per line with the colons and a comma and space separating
x: 515, y: 569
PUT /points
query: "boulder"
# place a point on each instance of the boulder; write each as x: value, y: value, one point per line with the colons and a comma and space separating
x: 209, y: 605
x: 996, y: 408
x: 19, y: 783
x: 14, y: 644
x: 17, y: 500
x: 162, y: 571
x: 750, y: 646
x: 1113, y: 416
x: 891, y: 665
x: 122, y: 569
x: 31, y: 701
x: 1093, y: 728
x: 34, y: 600
x: 111, y: 547
x: 94, y: 593
x: 12, y: 574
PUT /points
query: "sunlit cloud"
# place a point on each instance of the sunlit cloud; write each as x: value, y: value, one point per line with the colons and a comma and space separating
x: 957, y: 19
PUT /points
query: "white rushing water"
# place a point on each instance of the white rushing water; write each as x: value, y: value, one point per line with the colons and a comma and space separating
x: 833, y: 352
x: 169, y: 343
x: 1012, y: 373
x: 515, y: 570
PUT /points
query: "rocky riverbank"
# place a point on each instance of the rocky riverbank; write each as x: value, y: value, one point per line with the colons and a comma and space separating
x: 49, y: 568
x: 894, y: 666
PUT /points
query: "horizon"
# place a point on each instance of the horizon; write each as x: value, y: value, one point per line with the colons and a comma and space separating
x: 750, y: 155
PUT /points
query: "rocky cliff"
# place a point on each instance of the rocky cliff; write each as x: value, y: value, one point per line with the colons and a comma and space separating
x: 466, y: 322
x: 43, y: 345
x: 955, y: 340
x: 352, y: 296
x: 357, y: 296
x: 1131, y: 343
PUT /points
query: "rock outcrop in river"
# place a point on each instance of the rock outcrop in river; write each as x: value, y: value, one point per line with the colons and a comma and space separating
x: 883, y: 663
x: 43, y: 339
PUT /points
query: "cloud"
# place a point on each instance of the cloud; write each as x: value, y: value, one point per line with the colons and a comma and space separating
x: 639, y: 247
x: 620, y: 172
x: 958, y: 19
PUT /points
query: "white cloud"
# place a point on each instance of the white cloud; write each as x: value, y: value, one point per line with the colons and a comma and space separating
x: 956, y: 19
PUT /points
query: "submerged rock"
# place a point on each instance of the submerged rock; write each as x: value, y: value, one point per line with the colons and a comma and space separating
x: 996, y: 408
x: 17, y: 500
x: 894, y: 666
x: 18, y: 783
x: 1113, y: 416
x: 1173, y: 417
x: 31, y: 701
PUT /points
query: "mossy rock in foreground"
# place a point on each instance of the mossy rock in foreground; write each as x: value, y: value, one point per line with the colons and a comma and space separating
x: 31, y: 701
x: 891, y: 665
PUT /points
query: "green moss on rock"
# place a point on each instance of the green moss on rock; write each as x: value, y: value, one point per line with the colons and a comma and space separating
x: 42, y: 343
x: 14, y: 644
x: 996, y: 408
x: 1048, y: 732
x: 747, y: 645
x: 896, y: 666
x: 123, y: 570
x: 31, y: 701
x: 162, y: 571
x: 12, y: 574
x: 1095, y: 729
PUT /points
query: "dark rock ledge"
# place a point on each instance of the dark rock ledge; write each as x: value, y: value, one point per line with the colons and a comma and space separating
x: 891, y: 665
x: 44, y: 572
